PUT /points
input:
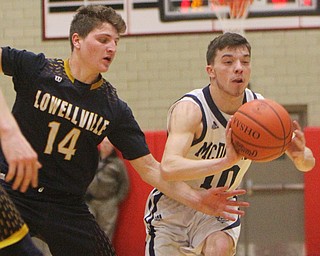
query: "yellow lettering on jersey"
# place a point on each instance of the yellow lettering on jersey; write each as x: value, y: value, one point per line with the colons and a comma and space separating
x: 83, y: 118
x: 36, y: 103
x: 67, y: 115
x: 94, y: 120
x: 88, y: 120
x: 75, y: 114
x: 63, y: 108
x: 44, y: 102
x: 97, y: 125
x: 104, y: 126
x: 54, y: 105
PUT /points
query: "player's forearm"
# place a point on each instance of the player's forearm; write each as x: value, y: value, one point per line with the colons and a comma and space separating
x: 7, y: 122
x: 149, y: 170
x: 182, y: 169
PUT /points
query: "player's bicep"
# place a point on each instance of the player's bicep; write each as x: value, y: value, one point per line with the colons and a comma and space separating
x: 184, y: 122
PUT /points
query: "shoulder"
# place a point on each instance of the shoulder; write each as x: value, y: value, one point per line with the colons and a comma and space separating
x: 16, y: 61
x: 16, y: 53
x: 108, y: 96
x: 112, y: 91
x: 185, y: 111
x: 190, y: 101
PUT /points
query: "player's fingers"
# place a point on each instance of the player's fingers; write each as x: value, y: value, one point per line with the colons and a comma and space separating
x: 234, y: 211
x: 34, y: 181
x: 228, y: 135
x: 227, y: 216
x: 11, y: 172
x: 238, y: 203
x: 299, y: 140
x: 220, y: 190
x: 236, y: 192
x: 298, y: 134
x: 229, y: 123
x: 18, y: 177
x: 296, y: 125
x: 28, y: 175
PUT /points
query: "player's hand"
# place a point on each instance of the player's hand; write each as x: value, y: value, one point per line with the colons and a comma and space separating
x: 298, y: 152
x: 231, y: 154
x: 216, y: 202
x: 297, y: 145
x: 22, y: 160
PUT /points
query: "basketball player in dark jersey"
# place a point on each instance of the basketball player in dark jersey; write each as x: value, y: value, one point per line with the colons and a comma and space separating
x: 65, y: 108
x: 23, y: 164
x: 199, y: 151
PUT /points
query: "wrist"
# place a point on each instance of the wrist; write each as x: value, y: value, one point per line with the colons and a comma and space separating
x: 8, y: 129
x: 306, y: 162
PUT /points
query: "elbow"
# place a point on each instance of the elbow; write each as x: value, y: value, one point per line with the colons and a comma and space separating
x: 166, y: 173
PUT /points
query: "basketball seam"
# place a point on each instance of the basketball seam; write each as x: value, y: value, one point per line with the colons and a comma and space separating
x: 282, y: 125
x: 253, y: 144
x: 267, y: 130
x: 261, y: 125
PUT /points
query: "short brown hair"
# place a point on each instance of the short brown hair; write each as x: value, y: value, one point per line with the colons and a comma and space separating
x: 225, y: 40
x: 90, y: 17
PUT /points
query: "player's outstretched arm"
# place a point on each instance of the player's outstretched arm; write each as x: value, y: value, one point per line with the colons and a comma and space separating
x: 214, y: 201
x: 298, y: 152
x: 22, y: 159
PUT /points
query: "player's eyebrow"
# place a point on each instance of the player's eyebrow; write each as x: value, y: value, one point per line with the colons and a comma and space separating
x: 232, y: 55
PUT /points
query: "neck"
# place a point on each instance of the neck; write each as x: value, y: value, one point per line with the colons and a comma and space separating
x: 226, y: 103
x: 80, y: 72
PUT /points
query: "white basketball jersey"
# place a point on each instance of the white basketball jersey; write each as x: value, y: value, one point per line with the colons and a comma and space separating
x: 212, y: 142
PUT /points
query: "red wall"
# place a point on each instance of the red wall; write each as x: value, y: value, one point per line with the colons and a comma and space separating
x: 312, y: 195
x: 130, y: 235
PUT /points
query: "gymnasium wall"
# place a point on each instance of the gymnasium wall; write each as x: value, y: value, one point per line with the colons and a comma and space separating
x: 150, y: 72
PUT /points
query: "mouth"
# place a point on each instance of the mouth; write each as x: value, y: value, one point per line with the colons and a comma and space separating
x: 108, y: 59
x: 238, y: 80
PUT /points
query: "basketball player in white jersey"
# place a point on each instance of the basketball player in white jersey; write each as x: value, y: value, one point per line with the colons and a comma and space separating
x: 198, y: 130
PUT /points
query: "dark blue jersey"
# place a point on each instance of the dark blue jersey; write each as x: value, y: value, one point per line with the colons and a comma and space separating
x: 64, y: 120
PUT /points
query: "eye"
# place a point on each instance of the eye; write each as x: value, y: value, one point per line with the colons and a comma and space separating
x: 227, y: 61
x: 103, y: 40
x: 246, y: 62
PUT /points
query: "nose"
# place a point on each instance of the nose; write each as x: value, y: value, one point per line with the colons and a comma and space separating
x: 112, y: 46
x: 238, y: 66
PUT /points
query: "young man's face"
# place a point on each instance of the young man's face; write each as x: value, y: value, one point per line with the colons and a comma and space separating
x: 231, y: 70
x: 98, y: 49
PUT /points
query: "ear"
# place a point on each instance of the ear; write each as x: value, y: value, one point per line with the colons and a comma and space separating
x: 76, y: 40
x: 210, y: 71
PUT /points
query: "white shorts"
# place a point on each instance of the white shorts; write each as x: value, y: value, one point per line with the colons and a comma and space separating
x: 174, y: 229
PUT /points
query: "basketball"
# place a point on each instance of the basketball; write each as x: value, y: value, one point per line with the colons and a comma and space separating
x: 261, y: 130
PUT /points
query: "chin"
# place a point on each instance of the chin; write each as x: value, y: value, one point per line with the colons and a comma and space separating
x: 103, y: 70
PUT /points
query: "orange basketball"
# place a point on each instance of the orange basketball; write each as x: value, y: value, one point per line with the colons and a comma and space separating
x: 261, y: 130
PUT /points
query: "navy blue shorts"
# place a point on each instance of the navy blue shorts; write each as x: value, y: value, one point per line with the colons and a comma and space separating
x: 62, y: 221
